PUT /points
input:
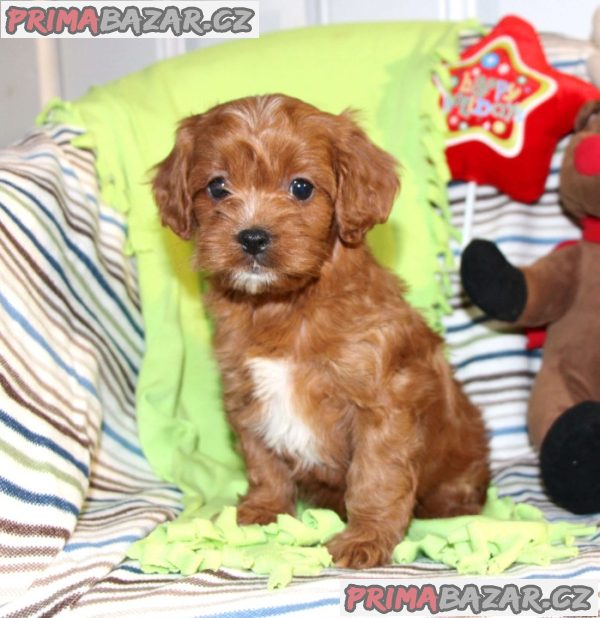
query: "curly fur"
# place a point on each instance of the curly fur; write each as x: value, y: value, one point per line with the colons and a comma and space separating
x: 337, y: 389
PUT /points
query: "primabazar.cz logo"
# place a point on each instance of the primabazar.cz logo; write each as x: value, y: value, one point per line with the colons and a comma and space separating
x: 450, y: 597
x: 118, y: 19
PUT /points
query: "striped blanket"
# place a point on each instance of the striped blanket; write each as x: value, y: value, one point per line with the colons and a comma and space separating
x: 75, y: 489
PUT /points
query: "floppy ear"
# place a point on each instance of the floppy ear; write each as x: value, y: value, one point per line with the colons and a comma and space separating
x: 171, y: 184
x: 367, y: 181
x: 586, y: 113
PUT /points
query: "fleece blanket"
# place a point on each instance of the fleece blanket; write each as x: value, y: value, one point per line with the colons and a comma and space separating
x: 503, y: 535
x: 385, y: 71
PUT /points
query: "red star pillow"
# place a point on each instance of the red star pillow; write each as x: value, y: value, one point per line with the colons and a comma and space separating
x: 507, y: 110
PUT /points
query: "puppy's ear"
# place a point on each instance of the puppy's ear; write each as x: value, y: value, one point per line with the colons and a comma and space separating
x: 586, y: 114
x: 367, y: 181
x: 171, y: 184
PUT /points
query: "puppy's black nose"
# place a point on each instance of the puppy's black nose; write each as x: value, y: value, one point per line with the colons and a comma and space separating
x: 254, y: 240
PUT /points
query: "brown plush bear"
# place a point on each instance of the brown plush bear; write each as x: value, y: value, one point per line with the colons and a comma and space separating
x: 561, y: 290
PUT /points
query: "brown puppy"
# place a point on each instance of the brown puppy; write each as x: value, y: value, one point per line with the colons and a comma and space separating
x: 335, y: 386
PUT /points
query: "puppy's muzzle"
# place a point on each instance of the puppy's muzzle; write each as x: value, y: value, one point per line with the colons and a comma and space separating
x: 254, y: 240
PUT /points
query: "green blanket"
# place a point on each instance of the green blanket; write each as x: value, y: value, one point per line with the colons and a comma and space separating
x: 385, y: 71
x: 504, y: 534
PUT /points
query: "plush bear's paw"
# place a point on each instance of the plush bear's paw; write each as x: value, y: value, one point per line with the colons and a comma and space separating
x: 492, y: 283
x: 570, y: 459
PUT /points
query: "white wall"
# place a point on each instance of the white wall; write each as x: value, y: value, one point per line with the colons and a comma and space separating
x: 32, y: 71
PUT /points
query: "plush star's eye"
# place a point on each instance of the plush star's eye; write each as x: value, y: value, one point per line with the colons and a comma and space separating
x: 216, y: 188
x: 301, y: 188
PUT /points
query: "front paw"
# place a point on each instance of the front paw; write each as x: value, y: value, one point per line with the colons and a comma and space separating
x: 249, y: 512
x: 492, y: 282
x: 360, y: 549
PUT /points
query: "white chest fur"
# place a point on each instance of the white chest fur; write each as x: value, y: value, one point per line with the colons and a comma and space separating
x: 281, y: 426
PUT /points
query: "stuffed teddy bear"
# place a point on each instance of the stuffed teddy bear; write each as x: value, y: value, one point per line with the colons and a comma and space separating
x: 562, y: 291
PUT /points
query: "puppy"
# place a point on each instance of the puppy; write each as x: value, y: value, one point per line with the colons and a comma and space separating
x: 337, y: 389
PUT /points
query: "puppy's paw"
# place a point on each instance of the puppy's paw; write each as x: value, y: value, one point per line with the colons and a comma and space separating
x: 252, y: 513
x: 353, y: 549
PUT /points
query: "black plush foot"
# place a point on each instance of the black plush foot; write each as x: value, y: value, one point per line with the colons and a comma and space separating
x: 570, y: 459
x: 492, y: 283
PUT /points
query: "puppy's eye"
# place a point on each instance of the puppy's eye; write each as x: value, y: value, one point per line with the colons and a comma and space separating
x: 301, y: 188
x: 216, y: 188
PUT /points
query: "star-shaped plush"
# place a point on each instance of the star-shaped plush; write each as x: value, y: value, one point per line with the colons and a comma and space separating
x: 507, y: 110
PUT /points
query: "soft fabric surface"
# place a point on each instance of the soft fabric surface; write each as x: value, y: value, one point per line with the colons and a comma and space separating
x: 385, y: 71
x: 71, y: 342
x: 86, y: 574
x: 504, y: 534
x: 79, y: 568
